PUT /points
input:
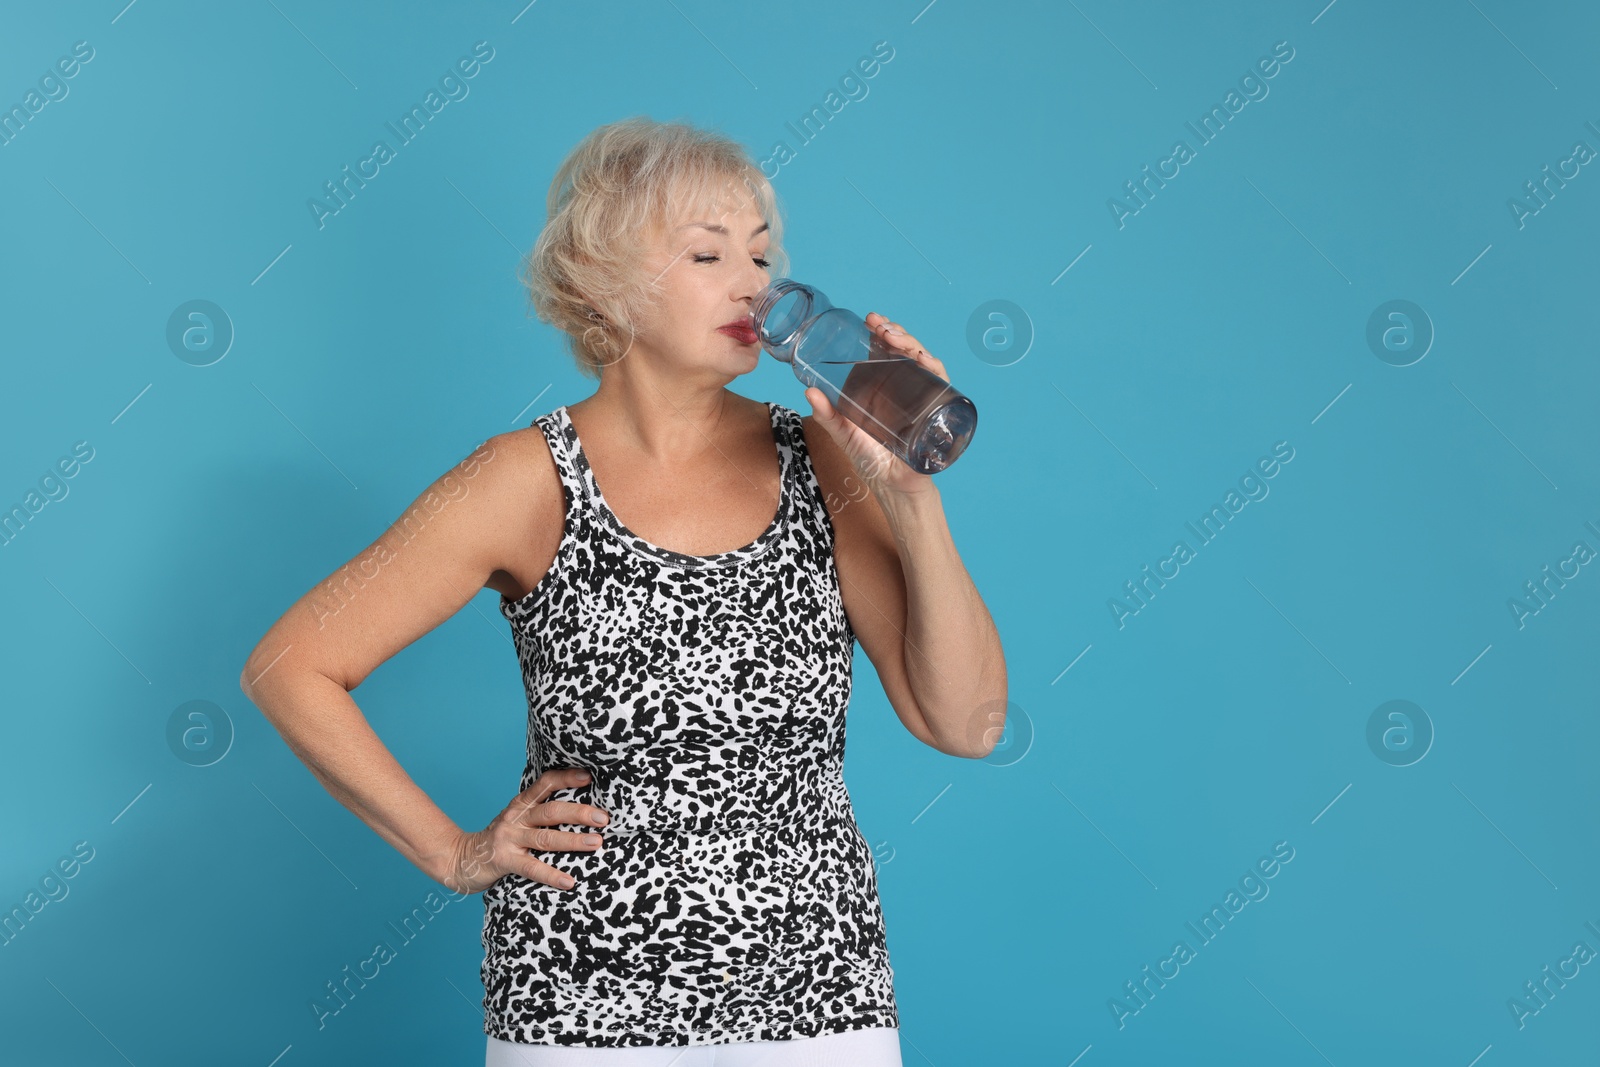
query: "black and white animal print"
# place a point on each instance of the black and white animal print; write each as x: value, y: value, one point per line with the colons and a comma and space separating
x: 734, y: 898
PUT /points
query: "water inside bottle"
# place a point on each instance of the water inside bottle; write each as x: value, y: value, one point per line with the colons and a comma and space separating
x: 907, y: 408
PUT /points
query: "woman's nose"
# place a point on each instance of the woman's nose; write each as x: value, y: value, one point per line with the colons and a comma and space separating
x: 751, y: 283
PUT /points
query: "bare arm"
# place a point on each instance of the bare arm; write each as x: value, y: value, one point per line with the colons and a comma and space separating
x: 950, y: 655
x: 914, y: 608
x: 443, y: 550
x: 321, y: 723
x: 909, y: 598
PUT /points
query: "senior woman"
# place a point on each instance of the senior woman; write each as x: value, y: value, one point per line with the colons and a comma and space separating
x: 685, y: 572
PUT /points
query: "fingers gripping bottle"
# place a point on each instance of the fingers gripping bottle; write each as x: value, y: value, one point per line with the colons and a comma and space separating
x: 905, y: 407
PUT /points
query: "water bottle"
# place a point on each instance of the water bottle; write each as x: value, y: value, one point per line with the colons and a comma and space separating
x: 905, y: 407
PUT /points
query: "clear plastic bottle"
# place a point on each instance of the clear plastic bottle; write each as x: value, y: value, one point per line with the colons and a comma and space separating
x: 908, y: 409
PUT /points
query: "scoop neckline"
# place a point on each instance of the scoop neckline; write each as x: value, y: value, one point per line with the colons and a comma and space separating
x: 650, y: 550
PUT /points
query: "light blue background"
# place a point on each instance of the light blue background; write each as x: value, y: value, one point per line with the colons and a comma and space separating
x: 1133, y: 789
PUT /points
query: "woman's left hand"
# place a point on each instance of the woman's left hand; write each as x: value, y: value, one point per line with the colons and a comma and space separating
x: 876, y: 465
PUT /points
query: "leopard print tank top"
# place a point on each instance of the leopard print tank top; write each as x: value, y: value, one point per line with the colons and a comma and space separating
x: 734, y: 898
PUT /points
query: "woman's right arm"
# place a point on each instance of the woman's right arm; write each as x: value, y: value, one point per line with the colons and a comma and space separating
x: 447, y: 546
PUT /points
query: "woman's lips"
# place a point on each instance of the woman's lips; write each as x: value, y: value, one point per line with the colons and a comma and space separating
x: 743, y: 334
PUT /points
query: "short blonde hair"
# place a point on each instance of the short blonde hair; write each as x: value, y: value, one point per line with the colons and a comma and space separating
x: 587, y: 274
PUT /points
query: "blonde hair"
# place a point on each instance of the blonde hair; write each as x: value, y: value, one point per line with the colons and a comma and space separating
x: 588, y: 273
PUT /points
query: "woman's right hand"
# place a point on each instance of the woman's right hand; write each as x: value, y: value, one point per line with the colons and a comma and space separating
x: 478, y: 860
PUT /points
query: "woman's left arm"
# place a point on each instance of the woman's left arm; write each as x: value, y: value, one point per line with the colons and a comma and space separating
x: 919, y: 616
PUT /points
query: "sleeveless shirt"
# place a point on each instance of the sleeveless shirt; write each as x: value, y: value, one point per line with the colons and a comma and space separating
x: 734, y: 897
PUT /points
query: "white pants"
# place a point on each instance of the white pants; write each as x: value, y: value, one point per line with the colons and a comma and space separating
x: 874, y: 1046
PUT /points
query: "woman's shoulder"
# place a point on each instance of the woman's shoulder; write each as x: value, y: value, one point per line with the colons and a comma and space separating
x: 529, y: 505
x: 529, y: 445
x: 528, y: 479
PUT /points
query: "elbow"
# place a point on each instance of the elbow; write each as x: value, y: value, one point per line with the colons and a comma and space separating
x: 964, y: 752
x: 924, y: 731
x: 247, y: 677
x: 983, y: 732
x: 979, y: 751
x: 256, y: 669
x: 974, y: 745
x: 249, y: 685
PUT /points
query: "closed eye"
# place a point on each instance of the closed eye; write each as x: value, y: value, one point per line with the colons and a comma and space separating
x: 708, y: 257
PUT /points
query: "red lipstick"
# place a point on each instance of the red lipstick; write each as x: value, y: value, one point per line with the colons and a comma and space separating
x: 740, y: 330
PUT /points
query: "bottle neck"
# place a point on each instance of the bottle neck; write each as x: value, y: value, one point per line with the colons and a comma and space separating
x: 781, y: 313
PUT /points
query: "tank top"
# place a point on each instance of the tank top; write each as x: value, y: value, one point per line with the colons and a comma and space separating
x: 734, y: 897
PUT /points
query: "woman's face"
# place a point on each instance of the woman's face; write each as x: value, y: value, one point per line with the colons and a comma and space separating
x: 711, y: 268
